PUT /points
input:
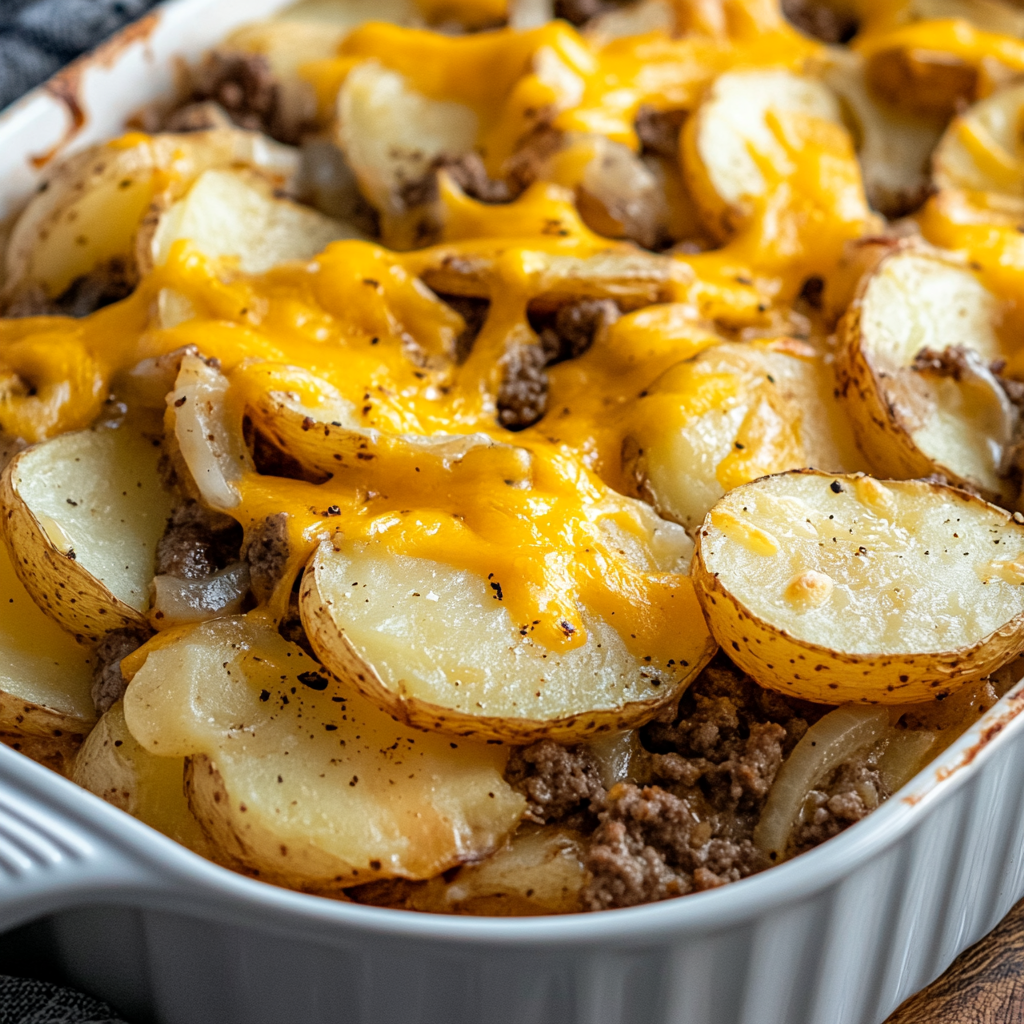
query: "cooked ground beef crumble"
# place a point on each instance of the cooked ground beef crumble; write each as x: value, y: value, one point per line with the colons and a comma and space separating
x: 267, y: 554
x: 684, y: 821
x: 679, y: 819
x: 108, y: 684
x: 197, y: 542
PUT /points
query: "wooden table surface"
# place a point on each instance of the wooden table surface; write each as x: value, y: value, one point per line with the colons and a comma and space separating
x: 985, y: 985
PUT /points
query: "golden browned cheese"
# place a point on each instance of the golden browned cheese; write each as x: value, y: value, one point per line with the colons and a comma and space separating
x: 353, y: 335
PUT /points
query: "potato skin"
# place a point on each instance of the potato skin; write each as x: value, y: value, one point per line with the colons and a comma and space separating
x: 340, y: 658
x: 877, y: 422
x: 255, y: 852
x: 39, y: 732
x: 56, y: 582
x: 798, y: 668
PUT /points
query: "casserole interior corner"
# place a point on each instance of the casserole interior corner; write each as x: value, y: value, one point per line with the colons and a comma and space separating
x: 508, y: 461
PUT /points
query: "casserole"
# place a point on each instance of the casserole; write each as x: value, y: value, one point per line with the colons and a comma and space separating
x: 781, y: 952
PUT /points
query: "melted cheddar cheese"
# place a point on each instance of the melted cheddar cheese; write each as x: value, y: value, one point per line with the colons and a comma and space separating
x: 358, y: 328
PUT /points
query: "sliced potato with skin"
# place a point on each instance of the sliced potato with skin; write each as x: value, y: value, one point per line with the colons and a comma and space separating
x: 720, y: 139
x: 114, y: 766
x: 83, y: 513
x: 45, y: 678
x: 540, y: 871
x: 391, y: 135
x: 982, y: 149
x: 94, y: 203
x: 631, y: 277
x: 301, y: 781
x: 326, y: 438
x: 733, y: 413
x: 429, y: 644
x: 913, y: 369
x: 848, y: 589
x: 235, y: 214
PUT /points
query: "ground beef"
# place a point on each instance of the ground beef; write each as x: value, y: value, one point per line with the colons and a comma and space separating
x: 574, y: 327
x: 821, y: 20
x: 197, y: 542
x: 108, y: 685
x: 579, y: 12
x: 658, y: 131
x: 557, y: 781
x: 474, y: 312
x: 238, y: 86
x: 855, y: 790
x: 469, y: 173
x: 267, y: 555
x: 523, y: 393
x: 525, y: 165
x: 711, y: 766
x: 104, y: 284
x: 651, y: 845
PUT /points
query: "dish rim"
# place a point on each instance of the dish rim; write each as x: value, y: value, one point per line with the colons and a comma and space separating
x: 702, y: 913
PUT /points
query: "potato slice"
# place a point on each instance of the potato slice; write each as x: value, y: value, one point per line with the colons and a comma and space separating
x: 727, y: 136
x: 631, y: 277
x: 301, y: 781
x: 327, y: 438
x: 733, y: 413
x: 894, y: 146
x: 114, y: 766
x: 913, y: 368
x: 983, y: 150
x: 430, y: 645
x: 82, y: 514
x: 540, y: 871
x: 843, y: 588
x: 390, y: 135
x: 93, y: 204
x: 45, y: 678
x: 235, y: 214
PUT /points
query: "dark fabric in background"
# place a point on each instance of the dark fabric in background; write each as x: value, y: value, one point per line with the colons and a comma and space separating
x: 37, y: 37
x: 26, y: 1001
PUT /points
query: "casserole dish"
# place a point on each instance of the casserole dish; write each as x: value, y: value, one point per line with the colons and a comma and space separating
x: 841, y: 935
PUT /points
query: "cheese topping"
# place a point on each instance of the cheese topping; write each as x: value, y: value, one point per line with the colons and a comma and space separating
x: 357, y: 338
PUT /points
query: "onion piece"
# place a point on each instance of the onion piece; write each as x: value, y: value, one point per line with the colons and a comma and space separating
x: 826, y: 745
x: 177, y: 601
x: 213, y: 451
x: 908, y: 751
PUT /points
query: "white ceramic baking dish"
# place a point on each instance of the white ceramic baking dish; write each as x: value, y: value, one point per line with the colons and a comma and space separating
x: 840, y: 935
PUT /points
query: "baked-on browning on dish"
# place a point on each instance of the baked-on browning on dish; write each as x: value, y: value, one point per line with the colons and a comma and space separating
x: 491, y: 463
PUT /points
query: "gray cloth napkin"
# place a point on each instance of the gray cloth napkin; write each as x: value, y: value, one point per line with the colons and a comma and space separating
x: 38, y: 37
x: 24, y: 1001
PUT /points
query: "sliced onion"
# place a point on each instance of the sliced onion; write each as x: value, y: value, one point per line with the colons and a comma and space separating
x: 909, y: 750
x: 177, y: 601
x: 826, y: 745
x: 215, y: 454
x: 619, y: 758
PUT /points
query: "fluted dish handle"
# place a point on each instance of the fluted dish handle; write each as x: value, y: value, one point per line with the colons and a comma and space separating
x: 51, y: 855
